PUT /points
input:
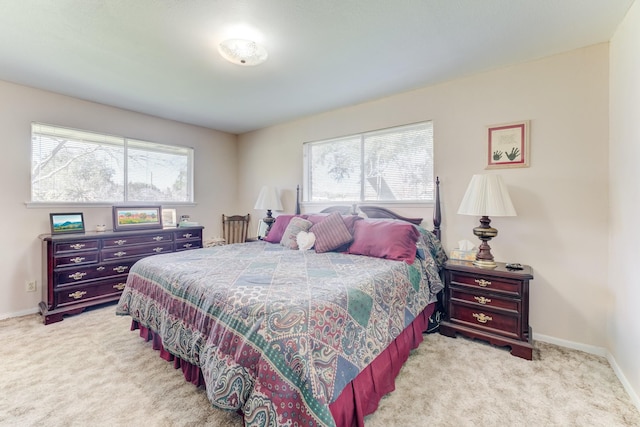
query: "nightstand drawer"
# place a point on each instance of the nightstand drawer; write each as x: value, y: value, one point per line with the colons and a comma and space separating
x: 485, y: 299
x: 502, y: 285
x: 487, y: 320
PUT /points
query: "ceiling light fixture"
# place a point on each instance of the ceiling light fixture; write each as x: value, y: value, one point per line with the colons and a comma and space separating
x: 243, y: 52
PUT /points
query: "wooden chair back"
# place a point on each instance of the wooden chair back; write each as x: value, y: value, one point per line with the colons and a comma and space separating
x: 235, y: 228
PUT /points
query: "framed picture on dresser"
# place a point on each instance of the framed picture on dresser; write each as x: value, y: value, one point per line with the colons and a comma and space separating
x: 136, y: 217
x: 169, y: 218
x: 63, y: 223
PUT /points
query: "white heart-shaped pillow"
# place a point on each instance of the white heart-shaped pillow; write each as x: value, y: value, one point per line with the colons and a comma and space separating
x: 305, y: 240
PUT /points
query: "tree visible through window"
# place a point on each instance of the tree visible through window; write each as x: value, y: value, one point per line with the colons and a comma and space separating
x: 75, y: 166
x: 394, y: 164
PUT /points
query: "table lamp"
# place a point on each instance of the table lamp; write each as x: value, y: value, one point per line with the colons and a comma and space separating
x: 268, y: 199
x: 486, y: 196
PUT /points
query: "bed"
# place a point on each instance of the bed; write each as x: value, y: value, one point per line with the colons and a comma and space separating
x: 286, y: 336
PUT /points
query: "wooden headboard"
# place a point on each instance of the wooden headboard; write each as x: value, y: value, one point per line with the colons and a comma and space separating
x: 380, y: 212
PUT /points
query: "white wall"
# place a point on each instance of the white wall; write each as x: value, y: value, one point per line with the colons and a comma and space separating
x: 215, y: 166
x: 624, y: 152
x: 561, y: 229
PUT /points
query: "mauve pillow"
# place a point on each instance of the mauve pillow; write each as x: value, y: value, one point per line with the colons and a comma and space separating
x: 331, y: 233
x: 390, y: 239
x: 277, y: 229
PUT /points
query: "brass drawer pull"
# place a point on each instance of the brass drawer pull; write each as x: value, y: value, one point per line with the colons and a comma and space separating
x: 482, y: 300
x: 483, y: 283
x: 158, y: 238
x: 78, y: 245
x: 158, y: 250
x: 121, y: 253
x: 77, y: 276
x: 187, y: 235
x: 187, y: 245
x: 77, y: 294
x: 482, y: 318
x: 119, y: 286
x: 120, y: 269
x: 120, y: 242
x: 77, y: 259
x: 100, y: 268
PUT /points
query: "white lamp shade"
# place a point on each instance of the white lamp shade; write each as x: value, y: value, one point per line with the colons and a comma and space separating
x: 268, y: 199
x: 487, y: 196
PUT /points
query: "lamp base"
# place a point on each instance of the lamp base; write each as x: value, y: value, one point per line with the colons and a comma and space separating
x: 484, y: 257
x: 269, y: 220
x: 484, y: 264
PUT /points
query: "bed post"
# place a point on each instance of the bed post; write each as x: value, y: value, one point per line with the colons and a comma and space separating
x: 298, y: 199
x: 437, y: 216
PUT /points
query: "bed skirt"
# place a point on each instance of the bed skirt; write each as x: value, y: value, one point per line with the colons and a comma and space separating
x: 361, y: 396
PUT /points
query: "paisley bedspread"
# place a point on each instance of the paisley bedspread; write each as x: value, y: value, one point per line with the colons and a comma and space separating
x: 278, y: 333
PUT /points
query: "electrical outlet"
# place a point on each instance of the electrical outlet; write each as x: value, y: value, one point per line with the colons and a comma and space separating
x: 32, y: 286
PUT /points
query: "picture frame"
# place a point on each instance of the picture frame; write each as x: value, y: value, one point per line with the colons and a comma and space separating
x: 136, y: 217
x: 508, y: 145
x: 66, y: 223
x: 169, y: 218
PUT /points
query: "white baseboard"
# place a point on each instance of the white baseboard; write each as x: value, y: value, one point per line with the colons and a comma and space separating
x: 598, y: 351
x: 591, y: 349
x: 625, y: 383
x: 19, y: 313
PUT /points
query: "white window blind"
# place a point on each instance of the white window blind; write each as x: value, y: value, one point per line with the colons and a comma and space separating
x: 76, y: 166
x: 394, y: 164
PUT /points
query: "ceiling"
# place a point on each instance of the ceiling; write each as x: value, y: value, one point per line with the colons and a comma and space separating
x: 160, y: 56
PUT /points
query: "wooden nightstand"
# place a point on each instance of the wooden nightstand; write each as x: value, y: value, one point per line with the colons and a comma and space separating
x: 488, y: 304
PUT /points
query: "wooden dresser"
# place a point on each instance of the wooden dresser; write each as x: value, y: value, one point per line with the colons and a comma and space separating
x: 489, y: 304
x: 83, y: 270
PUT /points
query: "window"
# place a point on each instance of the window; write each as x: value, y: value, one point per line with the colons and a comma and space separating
x: 76, y: 166
x: 388, y: 165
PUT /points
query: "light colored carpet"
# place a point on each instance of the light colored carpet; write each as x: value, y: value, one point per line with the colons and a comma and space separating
x: 90, y: 370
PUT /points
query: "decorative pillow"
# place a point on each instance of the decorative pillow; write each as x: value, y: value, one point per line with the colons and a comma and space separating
x: 390, y: 239
x: 349, y: 220
x: 305, y: 240
x: 278, y: 227
x: 295, y: 226
x: 331, y: 233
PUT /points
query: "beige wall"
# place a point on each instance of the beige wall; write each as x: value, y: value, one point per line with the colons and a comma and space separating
x: 624, y: 281
x: 215, y: 166
x: 561, y: 229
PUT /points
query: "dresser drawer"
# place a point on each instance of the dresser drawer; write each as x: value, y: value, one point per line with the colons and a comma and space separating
x: 185, y: 245
x: 485, y: 299
x: 76, y: 259
x: 117, y: 242
x: 482, y: 318
x: 80, y: 245
x: 188, y: 234
x: 72, y: 276
x: 99, y: 289
x: 136, y: 251
x: 502, y: 285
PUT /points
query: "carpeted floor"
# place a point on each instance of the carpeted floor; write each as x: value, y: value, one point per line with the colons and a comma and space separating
x: 90, y: 370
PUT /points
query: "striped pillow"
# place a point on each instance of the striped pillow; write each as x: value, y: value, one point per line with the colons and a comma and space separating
x: 331, y: 233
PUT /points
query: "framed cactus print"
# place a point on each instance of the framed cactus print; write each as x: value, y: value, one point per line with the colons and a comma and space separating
x: 508, y: 145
